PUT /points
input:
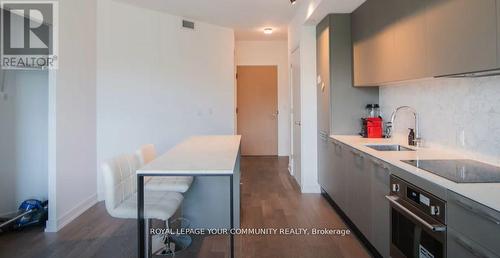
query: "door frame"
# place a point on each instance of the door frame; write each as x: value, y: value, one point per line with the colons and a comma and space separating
x: 277, y: 99
x: 291, y: 163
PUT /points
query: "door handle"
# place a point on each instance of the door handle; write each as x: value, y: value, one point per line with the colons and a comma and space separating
x: 298, y: 123
x: 357, y: 154
x: 433, y: 227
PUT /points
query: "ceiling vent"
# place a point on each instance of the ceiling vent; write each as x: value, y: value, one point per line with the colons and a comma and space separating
x: 188, y: 24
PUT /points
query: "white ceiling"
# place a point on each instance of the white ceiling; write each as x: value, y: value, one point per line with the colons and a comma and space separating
x: 247, y: 17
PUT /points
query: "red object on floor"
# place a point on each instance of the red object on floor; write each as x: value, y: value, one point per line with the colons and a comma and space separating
x: 374, y: 127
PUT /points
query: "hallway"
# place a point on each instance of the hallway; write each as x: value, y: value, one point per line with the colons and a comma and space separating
x: 270, y: 199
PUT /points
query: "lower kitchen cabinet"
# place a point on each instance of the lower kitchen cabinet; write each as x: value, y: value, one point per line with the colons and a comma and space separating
x: 358, y: 184
x: 380, y: 208
x: 359, y: 190
x: 325, y: 176
x: 339, y: 186
x: 473, y: 221
x: 460, y: 246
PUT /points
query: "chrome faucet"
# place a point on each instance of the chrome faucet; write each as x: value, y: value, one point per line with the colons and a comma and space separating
x: 390, y: 125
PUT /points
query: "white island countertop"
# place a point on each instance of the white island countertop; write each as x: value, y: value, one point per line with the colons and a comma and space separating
x: 200, y: 155
x: 484, y: 193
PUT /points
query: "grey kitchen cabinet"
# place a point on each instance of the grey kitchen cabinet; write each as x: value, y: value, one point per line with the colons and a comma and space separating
x: 325, y: 173
x: 410, y: 41
x: 359, y: 191
x: 359, y: 186
x: 339, y: 187
x: 461, y: 246
x: 474, y: 220
x: 335, y: 92
x: 461, y: 35
x: 380, y: 208
x: 373, y: 43
x: 323, y: 70
x: 498, y: 33
x: 363, y: 45
x: 323, y: 105
x: 343, y: 95
x: 398, y: 40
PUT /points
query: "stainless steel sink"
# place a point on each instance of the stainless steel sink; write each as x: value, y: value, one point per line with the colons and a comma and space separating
x: 393, y: 147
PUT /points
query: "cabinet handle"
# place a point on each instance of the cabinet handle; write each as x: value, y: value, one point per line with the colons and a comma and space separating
x: 478, y: 212
x: 337, y: 147
x: 357, y: 154
x: 323, y: 135
x: 380, y: 164
x: 467, y: 246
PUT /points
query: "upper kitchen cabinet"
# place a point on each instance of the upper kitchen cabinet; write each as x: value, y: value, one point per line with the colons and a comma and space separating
x: 498, y: 32
x: 335, y: 93
x: 462, y: 36
x: 429, y: 38
x: 323, y: 75
x: 373, y: 43
x: 410, y: 40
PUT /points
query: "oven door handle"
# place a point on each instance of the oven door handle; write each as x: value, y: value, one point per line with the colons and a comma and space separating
x: 433, y: 227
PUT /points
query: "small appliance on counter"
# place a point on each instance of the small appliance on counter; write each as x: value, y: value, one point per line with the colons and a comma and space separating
x: 372, y: 124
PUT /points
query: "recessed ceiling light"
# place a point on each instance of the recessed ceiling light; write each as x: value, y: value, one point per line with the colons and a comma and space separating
x: 268, y: 31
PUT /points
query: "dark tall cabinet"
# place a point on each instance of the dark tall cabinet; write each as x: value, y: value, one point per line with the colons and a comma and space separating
x: 340, y: 105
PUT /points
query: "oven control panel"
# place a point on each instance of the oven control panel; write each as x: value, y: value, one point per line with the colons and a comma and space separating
x: 426, y: 202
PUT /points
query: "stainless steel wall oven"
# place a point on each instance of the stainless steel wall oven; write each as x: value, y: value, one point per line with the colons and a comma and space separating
x: 418, y: 222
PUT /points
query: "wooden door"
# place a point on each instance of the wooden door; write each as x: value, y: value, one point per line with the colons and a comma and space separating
x: 257, y: 101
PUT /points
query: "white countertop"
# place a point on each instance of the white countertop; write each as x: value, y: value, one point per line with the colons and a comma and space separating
x: 203, y: 155
x: 484, y: 193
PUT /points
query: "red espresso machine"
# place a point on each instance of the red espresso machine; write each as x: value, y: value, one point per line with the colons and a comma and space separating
x: 372, y: 123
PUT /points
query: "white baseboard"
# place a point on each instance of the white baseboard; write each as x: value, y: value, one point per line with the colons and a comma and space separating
x: 51, y: 226
x: 311, y: 188
x: 61, y: 222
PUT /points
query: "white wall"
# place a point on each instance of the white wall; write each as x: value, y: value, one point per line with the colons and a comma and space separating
x: 159, y: 83
x: 272, y: 53
x: 304, y: 36
x: 461, y: 115
x: 72, y: 115
x: 23, y: 138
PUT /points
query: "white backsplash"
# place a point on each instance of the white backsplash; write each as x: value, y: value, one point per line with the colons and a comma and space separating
x: 455, y: 114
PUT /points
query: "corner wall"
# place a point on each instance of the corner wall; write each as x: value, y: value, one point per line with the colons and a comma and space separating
x: 303, y: 36
x: 72, y: 115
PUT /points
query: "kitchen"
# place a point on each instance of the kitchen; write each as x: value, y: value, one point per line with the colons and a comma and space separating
x: 423, y: 179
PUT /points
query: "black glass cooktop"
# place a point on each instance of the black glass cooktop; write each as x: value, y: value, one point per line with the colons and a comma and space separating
x: 460, y: 171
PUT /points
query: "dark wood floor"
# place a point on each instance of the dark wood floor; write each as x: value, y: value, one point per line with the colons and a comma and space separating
x: 270, y: 199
